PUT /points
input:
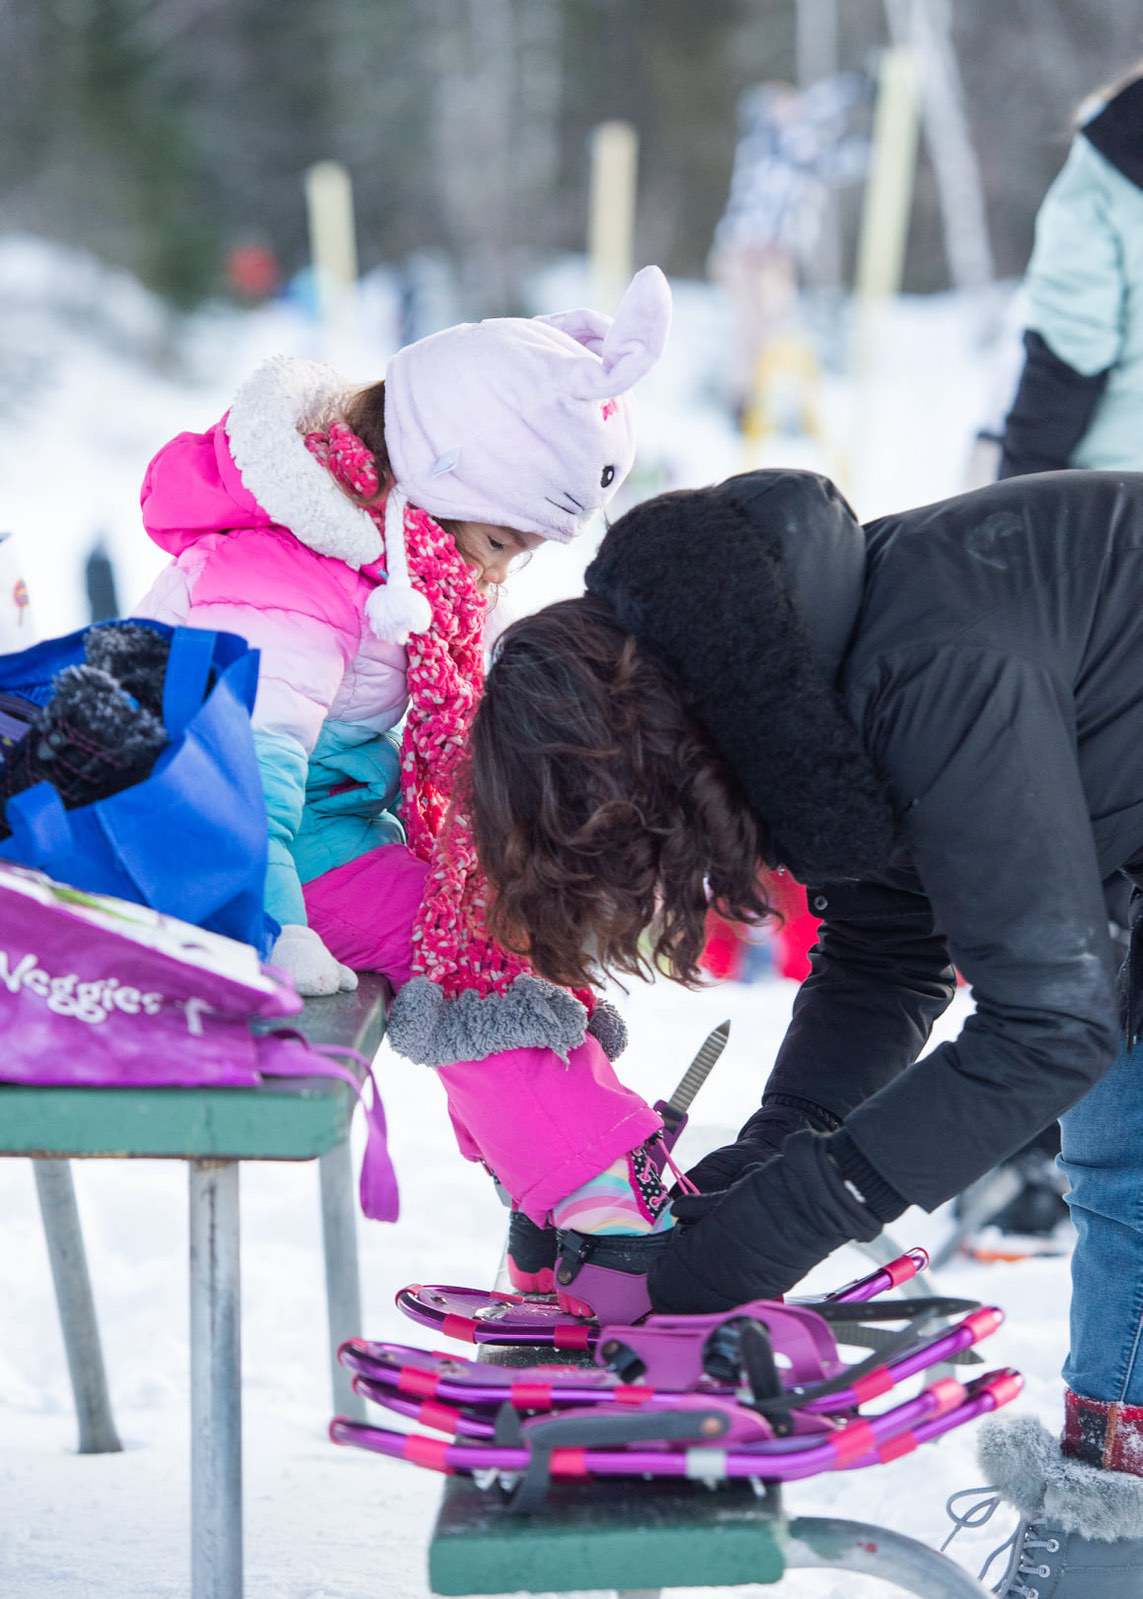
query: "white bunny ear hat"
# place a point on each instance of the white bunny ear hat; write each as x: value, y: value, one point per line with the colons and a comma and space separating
x: 522, y: 422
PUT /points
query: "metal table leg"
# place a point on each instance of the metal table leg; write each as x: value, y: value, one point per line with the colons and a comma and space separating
x: 64, y: 1235
x: 876, y: 1552
x: 216, y: 1382
x: 342, y: 1278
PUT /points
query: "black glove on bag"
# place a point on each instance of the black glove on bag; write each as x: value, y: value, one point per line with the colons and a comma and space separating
x: 759, y: 1141
x: 763, y: 1235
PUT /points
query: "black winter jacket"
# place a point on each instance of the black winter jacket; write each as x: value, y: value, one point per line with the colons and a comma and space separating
x: 988, y: 651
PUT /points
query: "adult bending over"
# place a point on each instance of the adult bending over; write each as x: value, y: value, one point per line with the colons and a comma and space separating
x: 936, y: 722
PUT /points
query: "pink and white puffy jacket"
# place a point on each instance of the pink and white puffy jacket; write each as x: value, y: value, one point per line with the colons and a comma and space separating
x: 265, y: 544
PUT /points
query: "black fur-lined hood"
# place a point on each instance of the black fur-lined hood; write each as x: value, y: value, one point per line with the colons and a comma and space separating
x: 749, y: 594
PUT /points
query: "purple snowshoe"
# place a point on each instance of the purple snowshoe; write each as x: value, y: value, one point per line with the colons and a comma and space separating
x: 762, y: 1391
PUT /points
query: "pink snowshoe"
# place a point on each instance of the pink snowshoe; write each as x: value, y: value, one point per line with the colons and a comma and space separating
x: 483, y: 1316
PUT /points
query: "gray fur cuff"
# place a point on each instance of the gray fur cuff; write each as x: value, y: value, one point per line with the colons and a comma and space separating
x: 608, y: 1029
x: 1022, y: 1460
x: 433, y: 1030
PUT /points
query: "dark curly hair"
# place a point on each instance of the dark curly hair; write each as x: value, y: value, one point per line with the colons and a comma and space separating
x: 601, y: 810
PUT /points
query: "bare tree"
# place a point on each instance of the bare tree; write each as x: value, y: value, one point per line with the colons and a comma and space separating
x: 926, y: 25
x: 472, y: 53
x: 540, y: 31
x: 817, y: 44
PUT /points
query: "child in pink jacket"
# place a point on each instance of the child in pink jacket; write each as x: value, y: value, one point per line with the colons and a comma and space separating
x: 352, y: 536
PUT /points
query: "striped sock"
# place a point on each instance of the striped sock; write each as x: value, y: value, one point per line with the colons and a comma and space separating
x: 627, y: 1199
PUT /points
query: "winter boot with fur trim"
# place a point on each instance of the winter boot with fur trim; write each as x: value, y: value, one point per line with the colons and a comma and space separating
x: 1080, y: 1533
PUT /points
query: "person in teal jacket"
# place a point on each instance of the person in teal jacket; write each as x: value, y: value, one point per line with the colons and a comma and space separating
x: 1080, y: 398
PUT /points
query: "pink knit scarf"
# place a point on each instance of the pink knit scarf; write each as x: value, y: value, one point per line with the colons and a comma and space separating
x: 445, y: 667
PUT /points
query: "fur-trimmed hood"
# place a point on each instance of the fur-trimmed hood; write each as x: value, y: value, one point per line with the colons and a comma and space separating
x: 252, y: 469
x: 749, y: 594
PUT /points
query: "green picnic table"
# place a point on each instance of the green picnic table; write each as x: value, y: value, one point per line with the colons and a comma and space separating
x: 213, y: 1130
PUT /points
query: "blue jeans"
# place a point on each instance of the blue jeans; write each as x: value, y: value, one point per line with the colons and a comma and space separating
x: 1102, y: 1158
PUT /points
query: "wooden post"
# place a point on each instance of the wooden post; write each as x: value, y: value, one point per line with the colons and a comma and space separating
x: 611, y: 219
x: 889, y: 191
x: 333, y: 253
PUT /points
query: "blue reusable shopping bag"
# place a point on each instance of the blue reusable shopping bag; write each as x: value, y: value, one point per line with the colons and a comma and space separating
x: 190, y: 839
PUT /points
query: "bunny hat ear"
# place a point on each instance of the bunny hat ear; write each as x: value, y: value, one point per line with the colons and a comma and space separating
x: 587, y: 327
x: 631, y: 345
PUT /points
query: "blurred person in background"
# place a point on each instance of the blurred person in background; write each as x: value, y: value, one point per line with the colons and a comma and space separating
x: 794, y: 147
x: 1079, y: 403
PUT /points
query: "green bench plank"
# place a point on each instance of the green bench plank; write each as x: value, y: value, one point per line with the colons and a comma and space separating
x: 280, y: 1120
x: 619, y: 1536
x: 356, y: 1020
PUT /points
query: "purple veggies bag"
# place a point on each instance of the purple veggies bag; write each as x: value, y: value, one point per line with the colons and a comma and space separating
x: 100, y: 993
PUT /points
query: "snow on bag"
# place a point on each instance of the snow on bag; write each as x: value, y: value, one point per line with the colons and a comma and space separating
x: 98, y: 992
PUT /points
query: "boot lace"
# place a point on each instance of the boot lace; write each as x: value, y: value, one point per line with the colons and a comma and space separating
x: 1020, y: 1547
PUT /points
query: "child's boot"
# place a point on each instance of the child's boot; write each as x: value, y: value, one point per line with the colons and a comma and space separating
x: 1080, y: 1534
x: 612, y: 1231
x: 531, y: 1255
x: 605, y: 1277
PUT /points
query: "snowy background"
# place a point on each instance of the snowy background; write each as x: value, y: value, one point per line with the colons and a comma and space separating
x: 104, y: 383
x: 95, y: 375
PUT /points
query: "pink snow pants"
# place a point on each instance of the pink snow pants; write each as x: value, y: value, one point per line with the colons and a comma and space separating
x: 542, y: 1127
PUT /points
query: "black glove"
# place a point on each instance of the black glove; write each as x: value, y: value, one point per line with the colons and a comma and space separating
x: 763, y: 1235
x: 759, y: 1141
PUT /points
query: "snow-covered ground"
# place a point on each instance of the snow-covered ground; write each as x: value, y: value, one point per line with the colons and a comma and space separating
x: 93, y: 378
x: 325, y: 1523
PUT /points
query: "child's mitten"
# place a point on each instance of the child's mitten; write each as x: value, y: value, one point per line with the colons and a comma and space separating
x: 300, y: 953
x: 135, y: 656
x: 94, y: 738
x: 91, y: 740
